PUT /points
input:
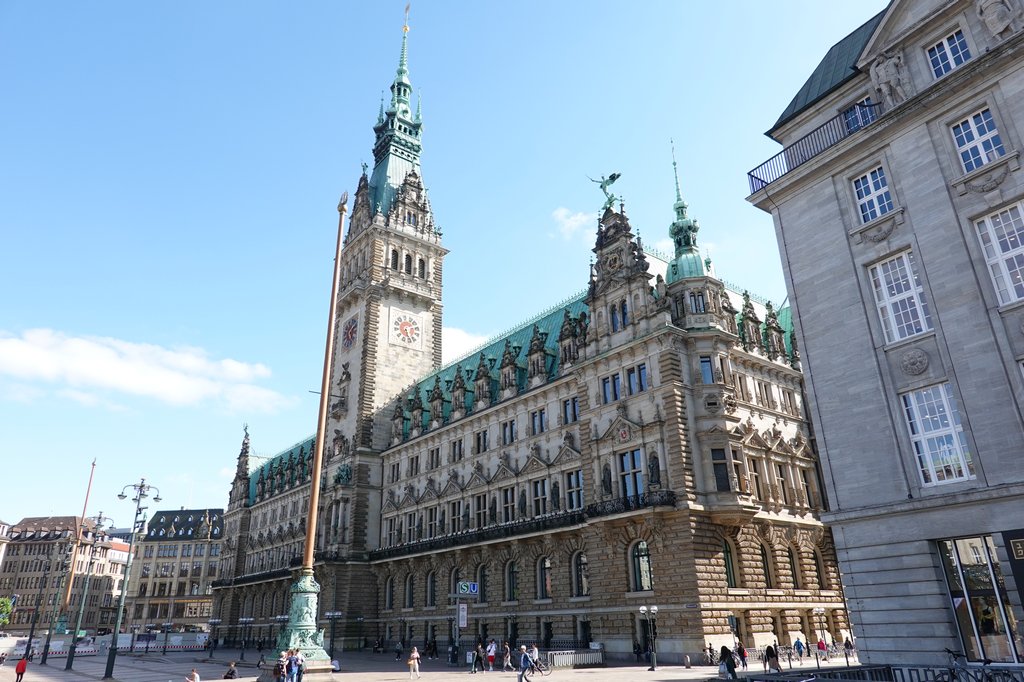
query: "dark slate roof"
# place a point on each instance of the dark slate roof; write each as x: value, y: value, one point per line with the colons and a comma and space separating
x: 185, y: 525
x: 838, y: 66
x: 44, y: 528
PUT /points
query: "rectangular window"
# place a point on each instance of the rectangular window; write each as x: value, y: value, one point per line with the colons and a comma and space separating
x: 742, y: 388
x: 434, y: 458
x: 631, y: 476
x: 508, y: 505
x: 860, y: 114
x: 410, y: 527
x: 780, y: 471
x: 707, y: 372
x: 764, y: 393
x: 432, y: 530
x: 636, y: 379
x: 540, y: 497
x: 940, y: 444
x: 613, y: 315
x: 574, y: 490
x: 508, y: 432
x: 721, y: 467
x: 789, y: 402
x: 948, y: 54
x: 455, y: 452
x: 1002, y: 238
x: 977, y: 140
x: 899, y: 297
x: 570, y: 410
x: 873, y: 196
x: 414, y: 465
x: 396, y: 471
x: 538, y: 422
x: 480, y: 510
x: 455, y: 508
x: 481, y: 441
x: 392, y: 532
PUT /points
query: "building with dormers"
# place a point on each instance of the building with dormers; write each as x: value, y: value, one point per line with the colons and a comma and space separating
x: 641, y: 443
x: 174, y: 565
x: 898, y: 204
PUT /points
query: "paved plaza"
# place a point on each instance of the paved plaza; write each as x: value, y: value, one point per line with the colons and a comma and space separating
x: 361, y: 665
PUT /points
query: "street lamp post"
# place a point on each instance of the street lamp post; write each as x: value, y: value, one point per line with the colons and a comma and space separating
x: 651, y: 616
x: 245, y: 622
x: 167, y: 631
x: 141, y: 491
x: 333, y: 616
x: 360, y: 619
x: 99, y: 536
x: 213, y: 623
x: 65, y: 561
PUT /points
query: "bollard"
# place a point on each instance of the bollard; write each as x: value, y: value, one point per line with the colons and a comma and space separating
x: 686, y: 660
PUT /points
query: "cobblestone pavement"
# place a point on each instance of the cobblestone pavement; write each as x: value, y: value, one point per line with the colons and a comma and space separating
x: 363, y: 666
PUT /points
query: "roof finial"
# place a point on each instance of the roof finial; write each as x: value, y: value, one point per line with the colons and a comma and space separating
x: 405, y: 27
x: 675, y: 171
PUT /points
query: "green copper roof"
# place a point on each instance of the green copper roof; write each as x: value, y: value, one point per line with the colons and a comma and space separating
x: 397, y: 145
x: 288, y: 461
x: 683, y: 231
x: 838, y: 66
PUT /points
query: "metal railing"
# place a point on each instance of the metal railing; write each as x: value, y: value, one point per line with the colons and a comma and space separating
x: 813, y: 143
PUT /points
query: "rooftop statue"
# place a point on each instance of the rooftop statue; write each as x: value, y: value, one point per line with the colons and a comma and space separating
x: 604, y: 183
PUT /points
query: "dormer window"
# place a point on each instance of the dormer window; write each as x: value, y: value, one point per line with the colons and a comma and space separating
x: 948, y: 54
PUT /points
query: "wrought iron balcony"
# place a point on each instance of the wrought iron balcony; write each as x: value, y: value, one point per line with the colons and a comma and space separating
x: 548, y: 522
x: 830, y: 133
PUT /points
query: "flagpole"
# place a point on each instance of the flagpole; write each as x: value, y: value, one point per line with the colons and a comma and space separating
x: 78, y: 538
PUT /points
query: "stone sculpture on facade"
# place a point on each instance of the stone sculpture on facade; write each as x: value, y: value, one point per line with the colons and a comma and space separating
x: 997, y: 16
x: 604, y: 183
x: 889, y: 78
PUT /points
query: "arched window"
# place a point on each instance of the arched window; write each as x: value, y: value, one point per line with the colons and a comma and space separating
x: 511, y: 581
x: 544, y: 578
x: 793, y: 568
x: 730, y: 564
x: 643, y: 578
x: 766, y: 567
x: 408, y: 264
x: 421, y: 269
x: 389, y: 594
x: 819, y: 568
x: 394, y: 259
x: 481, y: 581
x: 453, y: 581
x: 431, y: 589
x: 410, y: 591
x: 625, y: 313
x: 580, y: 575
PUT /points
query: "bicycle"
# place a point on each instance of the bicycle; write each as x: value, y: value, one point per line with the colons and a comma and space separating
x: 539, y: 666
x: 959, y: 671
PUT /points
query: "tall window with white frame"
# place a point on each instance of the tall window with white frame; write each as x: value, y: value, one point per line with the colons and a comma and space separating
x: 570, y: 410
x: 1002, y: 238
x: 860, y: 114
x: 977, y: 140
x: 948, y: 54
x: 873, y: 196
x: 508, y: 504
x: 540, y: 497
x: 940, y: 444
x: 900, y: 298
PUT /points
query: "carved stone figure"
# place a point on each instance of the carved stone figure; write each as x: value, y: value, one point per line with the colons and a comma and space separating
x: 606, y: 480
x: 522, y: 502
x: 654, y: 466
x: 555, y: 496
x: 889, y: 78
x: 997, y: 16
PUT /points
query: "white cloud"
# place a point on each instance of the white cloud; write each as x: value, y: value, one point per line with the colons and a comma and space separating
x: 457, y: 342
x: 570, y: 224
x: 88, y: 368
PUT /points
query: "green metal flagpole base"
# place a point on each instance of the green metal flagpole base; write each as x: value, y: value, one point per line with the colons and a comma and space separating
x: 301, y: 632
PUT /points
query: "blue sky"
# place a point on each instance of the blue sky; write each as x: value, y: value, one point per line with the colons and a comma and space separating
x: 170, y: 173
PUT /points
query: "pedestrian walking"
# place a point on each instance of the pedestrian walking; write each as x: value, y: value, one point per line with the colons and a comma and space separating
x: 19, y: 669
x: 506, y: 657
x: 414, y: 663
x: 398, y: 650
x: 741, y: 653
x: 191, y: 677
x: 492, y: 653
x: 727, y: 664
x: 525, y: 663
x: 799, y: 647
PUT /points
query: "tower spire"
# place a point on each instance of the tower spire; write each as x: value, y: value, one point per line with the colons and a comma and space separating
x: 675, y: 170
x: 683, y: 231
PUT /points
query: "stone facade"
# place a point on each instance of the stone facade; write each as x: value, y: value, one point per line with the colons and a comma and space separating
x: 899, y: 231
x: 643, y: 443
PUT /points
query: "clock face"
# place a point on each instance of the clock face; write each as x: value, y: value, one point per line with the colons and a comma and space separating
x: 348, y: 333
x: 405, y: 328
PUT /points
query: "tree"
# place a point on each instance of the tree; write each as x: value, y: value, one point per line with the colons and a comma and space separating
x: 6, y: 606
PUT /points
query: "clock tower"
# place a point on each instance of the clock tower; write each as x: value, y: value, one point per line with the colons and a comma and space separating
x: 388, y: 313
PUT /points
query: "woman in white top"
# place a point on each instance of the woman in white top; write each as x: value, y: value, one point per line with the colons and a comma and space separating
x: 414, y: 663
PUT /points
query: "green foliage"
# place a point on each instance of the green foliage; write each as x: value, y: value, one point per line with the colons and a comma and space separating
x: 5, y: 610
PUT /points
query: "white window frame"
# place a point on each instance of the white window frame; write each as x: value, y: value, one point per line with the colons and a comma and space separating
x: 900, y: 299
x: 873, y: 195
x: 1002, y: 240
x: 574, y: 490
x: 949, y: 54
x: 937, y: 436
x: 977, y: 147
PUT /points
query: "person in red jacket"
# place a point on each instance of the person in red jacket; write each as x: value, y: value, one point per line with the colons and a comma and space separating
x: 20, y: 668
